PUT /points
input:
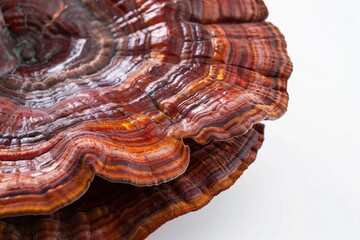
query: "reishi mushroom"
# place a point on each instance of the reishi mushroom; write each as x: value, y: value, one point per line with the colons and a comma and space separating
x: 117, y: 116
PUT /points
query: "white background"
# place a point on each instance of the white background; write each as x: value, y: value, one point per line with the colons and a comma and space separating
x: 305, y: 183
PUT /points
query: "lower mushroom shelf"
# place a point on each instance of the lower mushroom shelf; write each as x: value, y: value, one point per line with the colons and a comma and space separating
x: 121, y: 211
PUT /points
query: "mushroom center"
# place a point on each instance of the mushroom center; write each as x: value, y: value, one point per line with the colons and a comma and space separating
x: 46, y: 36
x: 36, y: 36
x: 34, y: 50
x: 26, y: 52
x: 54, y: 44
x: 46, y: 42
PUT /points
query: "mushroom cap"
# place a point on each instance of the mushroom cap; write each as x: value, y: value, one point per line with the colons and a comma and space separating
x: 131, y: 92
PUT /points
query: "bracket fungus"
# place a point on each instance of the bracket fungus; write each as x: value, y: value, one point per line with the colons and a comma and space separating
x: 117, y: 116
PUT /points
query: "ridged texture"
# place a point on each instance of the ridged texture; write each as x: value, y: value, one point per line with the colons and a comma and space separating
x: 119, y: 211
x: 120, y: 89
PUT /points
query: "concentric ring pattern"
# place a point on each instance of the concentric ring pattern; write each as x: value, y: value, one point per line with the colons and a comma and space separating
x: 160, y: 98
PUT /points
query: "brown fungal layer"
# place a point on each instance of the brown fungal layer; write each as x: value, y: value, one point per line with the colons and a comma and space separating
x: 112, y: 89
x: 121, y: 211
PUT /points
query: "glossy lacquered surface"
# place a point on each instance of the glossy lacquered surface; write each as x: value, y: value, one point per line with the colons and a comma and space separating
x: 130, y: 91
